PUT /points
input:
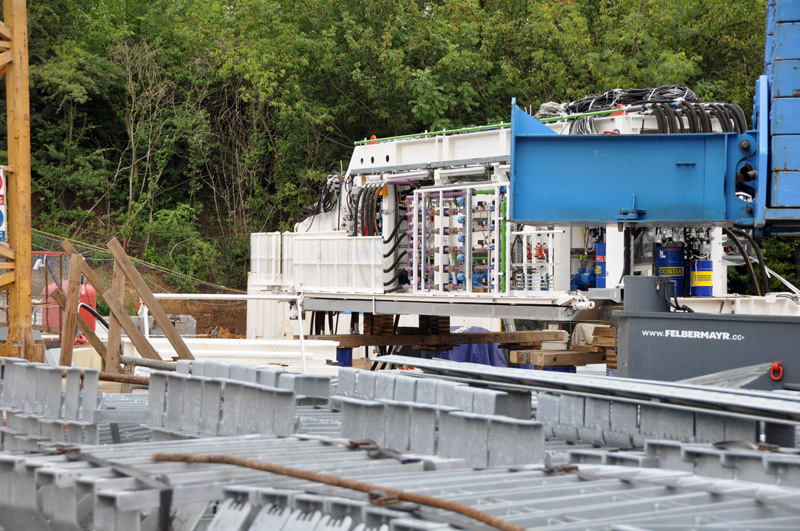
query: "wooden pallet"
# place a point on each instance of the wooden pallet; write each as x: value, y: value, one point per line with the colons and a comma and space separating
x: 556, y: 358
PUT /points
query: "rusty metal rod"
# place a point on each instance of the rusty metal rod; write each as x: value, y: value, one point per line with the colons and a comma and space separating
x: 114, y: 377
x: 335, y: 481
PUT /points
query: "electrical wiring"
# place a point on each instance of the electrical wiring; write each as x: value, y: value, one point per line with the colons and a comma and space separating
x: 328, y: 198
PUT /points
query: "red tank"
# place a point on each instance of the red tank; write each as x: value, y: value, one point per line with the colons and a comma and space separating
x: 53, y: 317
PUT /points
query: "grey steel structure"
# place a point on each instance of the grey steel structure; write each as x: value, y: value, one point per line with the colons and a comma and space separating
x: 467, y: 434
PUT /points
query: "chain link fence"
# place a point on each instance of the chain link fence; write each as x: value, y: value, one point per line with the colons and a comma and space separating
x: 217, y: 318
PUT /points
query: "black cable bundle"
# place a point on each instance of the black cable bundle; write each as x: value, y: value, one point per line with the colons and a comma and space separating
x: 612, y: 98
x: 327, y: 198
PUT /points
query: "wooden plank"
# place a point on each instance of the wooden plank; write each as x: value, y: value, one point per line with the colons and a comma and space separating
x: 71, y: 310
x: 5, y: 32
x: 604, y: 332
x: 146, y: 295
x: 7, y: 279
x: 113, y: 363
x: 7, y: 252
x: 444, y: 340
x: 520, y: 346
x: 586, y: 348
x: 5, y: 58
x: 555, y: 358
x: 83, y: 326
x: 140, y: 342
x: 604, y: 342
x: 552, y: 358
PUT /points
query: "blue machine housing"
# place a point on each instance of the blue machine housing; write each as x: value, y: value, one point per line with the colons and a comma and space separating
x: 679, y: 180
x: 653, y: 180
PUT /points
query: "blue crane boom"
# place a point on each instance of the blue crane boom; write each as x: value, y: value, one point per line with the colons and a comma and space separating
x: 749, y: 180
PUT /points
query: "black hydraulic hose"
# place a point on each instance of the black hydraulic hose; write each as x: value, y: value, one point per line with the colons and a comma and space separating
x: 677, y: 120
x: 357, y: 212
x: 673, y: 127
x: 396, y: 262
x: 694, y: 125
x: 746, y: 257
x: 394, y: 247
x: 729, y: 118
x: 722, y: 118
x: 393, y: 279
x: 762, y: 265
x: 400, y: 221
x: 94, y: 313
x: 739, y: 117
x: 376, y: 195
x: 702, y: 115
x: 659, y: 118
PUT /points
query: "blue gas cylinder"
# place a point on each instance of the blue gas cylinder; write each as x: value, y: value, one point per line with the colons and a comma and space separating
x: 600, y: 264
x: 669, y: 265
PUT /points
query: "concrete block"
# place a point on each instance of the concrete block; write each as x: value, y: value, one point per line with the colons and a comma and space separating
x: 176, y: 386
x: 657, y: 422
x: 218, y: 369
x: 426, y: 391
x: 316, y: 386
x: 405, y: 388
x: 384, y: 385
x: 362, y: 419
x: 231, y: 407
x: 287, y: 380
x: 156, y: 398
x: 264, y: 416
x: 515, y: 442
x: 515, y: 404
x: 463, y: 397
x: 192, y: 405
x: 251, y: 409
x: 365, y: 385
x: 397, y: 426
x: 446, y: 393
x: 485, y: 401
x: 464, y: 435
x: 422, y: 429
x: 347, y: 382
x: 244, y: 373
x: 284, y: 417
x: 268, y: 376
x: 597, y: 419
x: 212, y: 406
x: 198, y: 368
x: 183, y: 366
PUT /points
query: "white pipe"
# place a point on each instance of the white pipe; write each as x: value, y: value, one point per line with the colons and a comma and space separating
x: 225, y: 297
x: 302, y: 331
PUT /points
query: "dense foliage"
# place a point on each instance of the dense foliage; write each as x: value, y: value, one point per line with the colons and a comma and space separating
x: 184, y: 126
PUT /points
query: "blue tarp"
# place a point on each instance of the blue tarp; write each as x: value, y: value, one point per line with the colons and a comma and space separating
x: 485, y: 353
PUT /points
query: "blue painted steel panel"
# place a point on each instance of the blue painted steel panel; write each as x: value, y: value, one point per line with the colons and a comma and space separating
x: 786, y: 152
x: 785, y: 189
x: 788, y: 216
x: 785, y: 116
x: 665, y: 179
x: 787, y: 11
x: 786, y: 79
x: 786, y: 41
